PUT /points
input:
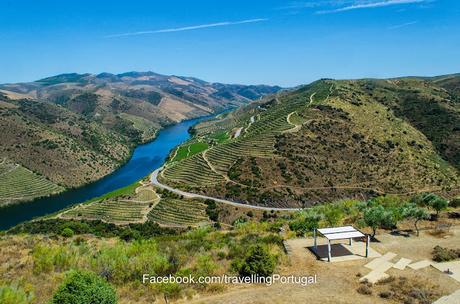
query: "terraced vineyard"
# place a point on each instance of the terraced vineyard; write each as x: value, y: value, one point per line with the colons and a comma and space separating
x: 212, y: 166
x: 118, y: 211
x: 194, y: 171
x: 110, y: 211
x: 179, y: 213
x: 20, y: 184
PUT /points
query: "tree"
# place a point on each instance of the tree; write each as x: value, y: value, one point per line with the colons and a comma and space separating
x: 307, y: 223
x: 81, y: 287
x: 438, y: 204
x: 67, y: 232
x: 258, y: 262
x: 416, y: 213
x: 376, y: 217
x: 332, y: 215
x: 432, y: 201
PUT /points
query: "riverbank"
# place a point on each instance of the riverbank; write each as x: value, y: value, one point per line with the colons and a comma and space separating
x: 145, y: 159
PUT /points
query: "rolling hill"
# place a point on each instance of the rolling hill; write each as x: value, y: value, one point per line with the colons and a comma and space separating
x: 329, y: 140
x: 72, y: 129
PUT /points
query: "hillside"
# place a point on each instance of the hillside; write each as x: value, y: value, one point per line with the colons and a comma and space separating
x: 88, y: 124
x: 330, y: 140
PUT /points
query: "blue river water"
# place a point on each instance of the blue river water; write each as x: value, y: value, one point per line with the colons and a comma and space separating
x: 145, y: 159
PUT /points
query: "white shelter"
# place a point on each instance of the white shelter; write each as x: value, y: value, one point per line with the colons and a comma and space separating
x: 340, y: 233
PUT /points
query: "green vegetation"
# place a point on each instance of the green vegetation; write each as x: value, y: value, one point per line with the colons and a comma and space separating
x: 259, y: 262
x: 198, y: 252
x: 432, y: 201
x: 15, y: 295
x: 185, y: 151
x: 411, y: 211
x: 220, y: 137
x: 83, y: 288
x: 97, y: 228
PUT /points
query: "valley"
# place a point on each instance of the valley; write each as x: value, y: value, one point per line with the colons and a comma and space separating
x: 90, y: 124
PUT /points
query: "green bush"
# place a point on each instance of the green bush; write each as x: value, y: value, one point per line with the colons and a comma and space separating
x: 67, y: 232
x: 258, y: 262
x: 81, y: 287
x: 14, y: 295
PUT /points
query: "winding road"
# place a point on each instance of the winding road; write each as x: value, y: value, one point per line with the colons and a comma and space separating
x: 155, y: 182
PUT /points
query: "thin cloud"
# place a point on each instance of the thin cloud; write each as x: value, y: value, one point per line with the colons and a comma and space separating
x: 398, y: 26
x: 189, y: 28
x: 370, y: 5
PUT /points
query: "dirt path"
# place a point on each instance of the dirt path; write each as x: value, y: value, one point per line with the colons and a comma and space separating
x: 295, y: 127
x: 212, y: 167
x: 311, y: 97
x: 155, y: 182
x: 238, y: 132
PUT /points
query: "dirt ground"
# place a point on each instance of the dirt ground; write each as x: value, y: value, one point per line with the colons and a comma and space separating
x: 338, y: 282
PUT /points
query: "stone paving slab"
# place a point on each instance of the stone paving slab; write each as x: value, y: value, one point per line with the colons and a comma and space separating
x: 453, y: 298
x: 384, y: 266
x: 374, y: 276
x: 374, y: 263
x: 453, y: 267
x: 389, y: 256
x: 379, y: 264
x: 402, y: 263
x: 420, y: 264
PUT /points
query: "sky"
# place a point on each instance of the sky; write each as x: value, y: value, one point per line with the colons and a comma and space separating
x: 231, y: 41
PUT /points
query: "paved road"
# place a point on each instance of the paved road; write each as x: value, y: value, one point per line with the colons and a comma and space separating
x: 154, y: 181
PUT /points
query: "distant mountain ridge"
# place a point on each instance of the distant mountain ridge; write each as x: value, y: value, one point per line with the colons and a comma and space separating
x: 89, y: 123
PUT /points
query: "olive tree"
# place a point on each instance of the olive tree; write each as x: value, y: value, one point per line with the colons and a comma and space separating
x: 416, y: 213
x: 376, y: 217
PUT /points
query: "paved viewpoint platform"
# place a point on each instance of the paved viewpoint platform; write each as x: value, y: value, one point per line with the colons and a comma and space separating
x: 341, y: 251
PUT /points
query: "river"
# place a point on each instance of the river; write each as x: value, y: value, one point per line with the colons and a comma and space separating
x: 145, y: 159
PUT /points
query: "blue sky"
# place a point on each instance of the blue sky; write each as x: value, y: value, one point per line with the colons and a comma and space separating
x: 272, y: 42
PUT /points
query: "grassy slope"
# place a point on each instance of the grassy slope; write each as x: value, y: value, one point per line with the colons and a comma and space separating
x: 358, y: 138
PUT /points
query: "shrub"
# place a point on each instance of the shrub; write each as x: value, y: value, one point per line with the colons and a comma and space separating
x: 211, y: 210
x: 80, y: 287
x: 258, y: 262
x: 14, y: 295
x: 67, y: 232
x: 48, y: 258
x: 125, y: 262
x: 455, y: 203
x: 386, y: 294
x: 364, y: 289
x: 129, y: 234
x: 441, y: 254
